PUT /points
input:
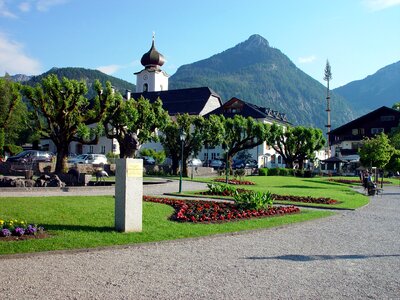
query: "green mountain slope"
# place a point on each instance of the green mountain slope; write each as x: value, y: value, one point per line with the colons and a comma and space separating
x: 381, y: 88
x: 88, y: 75
x: 257, y: 73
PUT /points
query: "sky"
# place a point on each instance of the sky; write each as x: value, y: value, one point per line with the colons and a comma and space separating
x: 358, y: 37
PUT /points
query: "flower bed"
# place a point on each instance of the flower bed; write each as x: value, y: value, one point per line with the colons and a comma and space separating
x: 205, y: 211
x: 350, y: 181
x: 19, y: 230
x: 304, y: 199
x: 234, y: 181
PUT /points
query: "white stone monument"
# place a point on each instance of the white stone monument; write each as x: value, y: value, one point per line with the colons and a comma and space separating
x: 128, y: 195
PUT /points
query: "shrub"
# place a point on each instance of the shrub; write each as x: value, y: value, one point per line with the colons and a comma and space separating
x: 254, y: 200
x: 273, y: 172
x: 216, y: 188
x: 239, y: 173
x: 263, y: 172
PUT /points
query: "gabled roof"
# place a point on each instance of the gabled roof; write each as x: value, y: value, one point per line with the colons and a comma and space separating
x: 180, y: 101
x: 247, y: 109
x: 361, y: 121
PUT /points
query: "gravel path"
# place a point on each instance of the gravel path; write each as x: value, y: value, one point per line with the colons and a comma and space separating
x: 352, y: 255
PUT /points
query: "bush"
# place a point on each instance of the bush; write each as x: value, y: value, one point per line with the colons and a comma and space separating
x: 239, y: 173
x: 263, y: 172
x: 254, y: 200
x: 216, y: 188
x: 273, y: 172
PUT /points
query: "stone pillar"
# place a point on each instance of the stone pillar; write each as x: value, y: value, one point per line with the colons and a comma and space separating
x: 128, y: 195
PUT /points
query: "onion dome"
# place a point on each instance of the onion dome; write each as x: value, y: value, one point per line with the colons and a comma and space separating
x: 153, y: 58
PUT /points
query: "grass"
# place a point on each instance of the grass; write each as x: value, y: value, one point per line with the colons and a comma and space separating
x: 88, y: 222
x: 314, y: 187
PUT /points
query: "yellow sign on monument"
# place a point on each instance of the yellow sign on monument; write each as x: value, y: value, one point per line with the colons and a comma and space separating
x: 135, y: 170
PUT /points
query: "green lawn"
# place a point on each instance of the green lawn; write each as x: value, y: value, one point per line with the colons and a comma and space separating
x: 87, y: 222
x: 314, y: 187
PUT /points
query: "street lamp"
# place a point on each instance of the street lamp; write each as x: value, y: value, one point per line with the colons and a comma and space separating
x: 182, y: 137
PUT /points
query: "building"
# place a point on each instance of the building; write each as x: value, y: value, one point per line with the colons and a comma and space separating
x: 264, y: 155
x: 347, y: 139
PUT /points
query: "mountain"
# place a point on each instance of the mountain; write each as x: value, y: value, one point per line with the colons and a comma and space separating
x: 257, y: 73
x: 381, y: 88
x: 20, y: 78
x: 88, y: 75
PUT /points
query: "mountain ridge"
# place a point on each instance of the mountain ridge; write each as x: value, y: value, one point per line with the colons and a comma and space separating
x: 260, y: 74
x: 380, y: 88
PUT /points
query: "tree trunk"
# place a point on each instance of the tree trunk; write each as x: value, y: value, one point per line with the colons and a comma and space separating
x: 62, y: 158
x: 175, y: 166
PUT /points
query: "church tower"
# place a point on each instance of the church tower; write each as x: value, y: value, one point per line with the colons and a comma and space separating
x: 152, y: 78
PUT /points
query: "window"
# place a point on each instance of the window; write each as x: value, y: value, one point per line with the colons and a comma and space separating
x: 103, y: 149
x: 213, y: 156
x: 376, y: 130
x: 145, y: 87
x: 90, y: 149
x: 279, y: 159
x: 387, y: 118
x: 357, y: 131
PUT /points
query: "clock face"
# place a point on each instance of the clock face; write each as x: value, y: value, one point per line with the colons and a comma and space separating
x: 145, y: 77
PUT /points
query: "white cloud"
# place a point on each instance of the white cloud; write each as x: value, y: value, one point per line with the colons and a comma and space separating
x: 113, y: 68
x: 307, y: 59
x: 24, y: 7
x: 44, y: 5
x: 5, y: 12
x: 8, y: 7
x: 376, y: 5
x: 13, y: 60
x: 110, y: 69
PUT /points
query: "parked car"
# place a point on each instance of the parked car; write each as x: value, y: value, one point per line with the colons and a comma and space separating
x: 96, y: 159
x: 217, y: 164
x: 26, y: 160
x: 31, y: 156
x: 244, y: 164
x: 195, y: 162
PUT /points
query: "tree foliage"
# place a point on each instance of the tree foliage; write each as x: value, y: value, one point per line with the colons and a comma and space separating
x: 240, y: 133
x: 64, y: 113
x: 193, y: 127
x: 376, y: 152
x: 13, y: 112
x: 296, y: 144
x: 134, y: 122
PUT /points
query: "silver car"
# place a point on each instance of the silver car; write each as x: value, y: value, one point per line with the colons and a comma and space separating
x: 95, y: 159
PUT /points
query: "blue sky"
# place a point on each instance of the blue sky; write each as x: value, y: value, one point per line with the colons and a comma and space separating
x: 357, y: 36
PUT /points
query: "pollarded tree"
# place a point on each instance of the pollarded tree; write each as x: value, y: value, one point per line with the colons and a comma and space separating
x: 242, y: 133
x: 193, y: 128
x: 64, y: 113
x: 296, y: 144
x: 134, y: 122
x: 13, y: 112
